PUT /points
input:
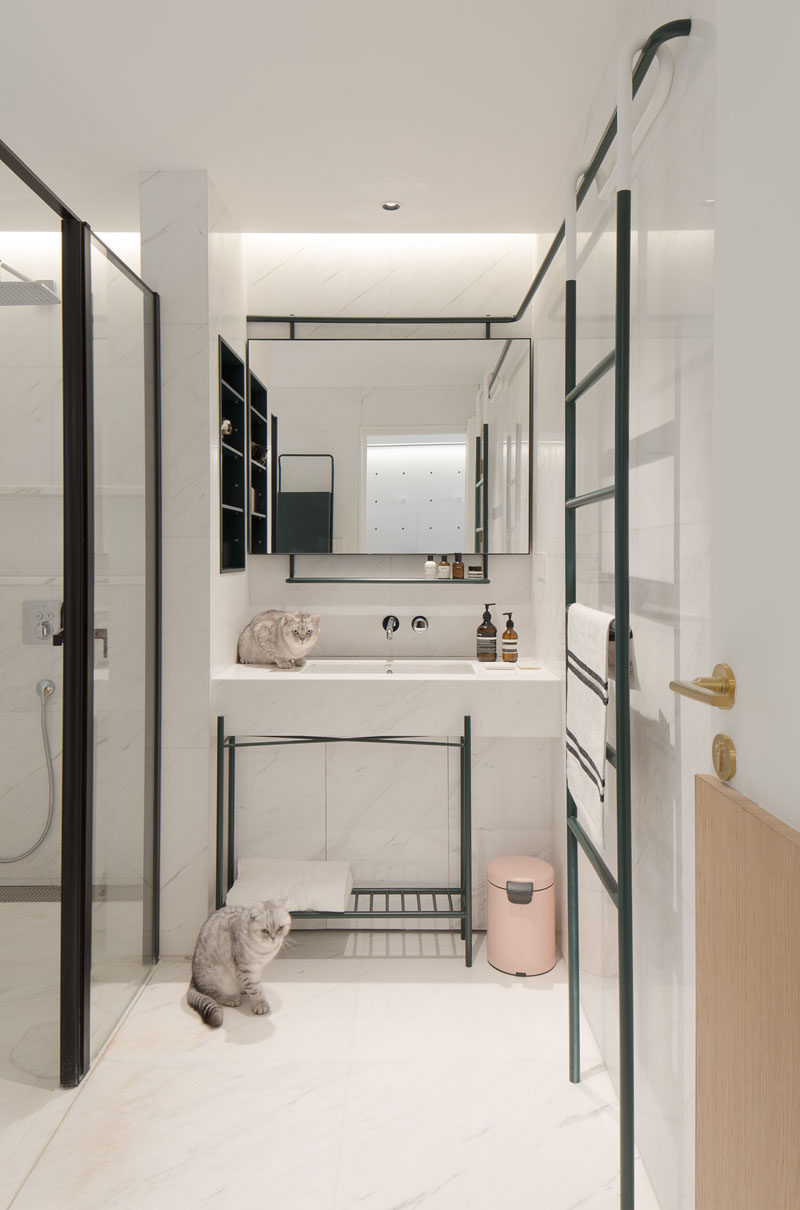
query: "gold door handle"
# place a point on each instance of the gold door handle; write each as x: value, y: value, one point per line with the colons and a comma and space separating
x: 717, y: 690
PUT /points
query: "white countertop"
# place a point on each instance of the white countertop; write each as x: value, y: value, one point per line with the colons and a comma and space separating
x: 426, y: 697
x: 370, y: 669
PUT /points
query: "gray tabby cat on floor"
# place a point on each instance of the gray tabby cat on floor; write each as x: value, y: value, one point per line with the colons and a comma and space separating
x: 275, y: 637
x: 233, y: 947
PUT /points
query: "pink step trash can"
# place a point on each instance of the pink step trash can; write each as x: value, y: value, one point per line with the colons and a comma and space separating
x: 521, y: 908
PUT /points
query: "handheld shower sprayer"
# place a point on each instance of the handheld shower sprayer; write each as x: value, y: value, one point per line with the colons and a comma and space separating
x: 45, y: 689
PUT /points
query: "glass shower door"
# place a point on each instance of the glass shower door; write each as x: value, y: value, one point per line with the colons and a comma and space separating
x: 124, y: 496
x: 31, y: 680
x: 79, y: 648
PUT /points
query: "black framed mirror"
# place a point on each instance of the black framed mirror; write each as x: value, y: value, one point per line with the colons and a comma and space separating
x: 391, y: 447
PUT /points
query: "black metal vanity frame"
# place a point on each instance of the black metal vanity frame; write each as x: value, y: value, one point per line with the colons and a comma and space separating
x: 415, y: 903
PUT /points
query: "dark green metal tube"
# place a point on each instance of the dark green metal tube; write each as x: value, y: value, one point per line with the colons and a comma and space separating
x: 592, y: 377
x: 594, y: 497
x: 461, y: 817
x: 600, y: 868
x: 570, y: 359
x: 622, y: 691
x: 573, y: 949
x: 220, y: 806
x: 570, y: 587
x: 231, y: 817
x: 466, y: 840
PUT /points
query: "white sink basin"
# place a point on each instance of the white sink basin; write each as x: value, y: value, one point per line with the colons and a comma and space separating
x: 350, y: 697
x: 383, y: 668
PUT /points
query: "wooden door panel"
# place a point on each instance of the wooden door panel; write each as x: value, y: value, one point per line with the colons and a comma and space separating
x: 748, y: 1004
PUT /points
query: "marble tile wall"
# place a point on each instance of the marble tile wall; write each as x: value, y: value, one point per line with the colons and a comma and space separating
x: 672, y: 302
x: 352, y: 613
x: 403, y: 275
x: 393, y: 813
x: 31, y: 544
x: 192, y: 256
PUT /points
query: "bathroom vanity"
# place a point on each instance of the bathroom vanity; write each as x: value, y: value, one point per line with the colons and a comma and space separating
x: 394, y: 811
x: 393, y: 697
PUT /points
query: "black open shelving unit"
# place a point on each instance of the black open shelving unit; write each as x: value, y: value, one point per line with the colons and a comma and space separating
x: 482, y: 490
x: 233, y: 449
x: 258, y: 474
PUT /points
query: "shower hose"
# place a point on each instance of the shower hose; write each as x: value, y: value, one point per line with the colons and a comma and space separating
x: 45, y: 689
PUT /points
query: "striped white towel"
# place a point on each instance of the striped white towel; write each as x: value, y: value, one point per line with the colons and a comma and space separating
x: 587, y: 705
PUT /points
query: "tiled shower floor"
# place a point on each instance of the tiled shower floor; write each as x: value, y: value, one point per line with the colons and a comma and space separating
x: 387, y: 1076
x: 31, y: 1103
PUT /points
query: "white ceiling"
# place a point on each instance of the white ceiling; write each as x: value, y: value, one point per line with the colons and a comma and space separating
x: 308, y: 115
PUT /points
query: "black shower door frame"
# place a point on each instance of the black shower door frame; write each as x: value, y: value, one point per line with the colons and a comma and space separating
x: 77, y: 782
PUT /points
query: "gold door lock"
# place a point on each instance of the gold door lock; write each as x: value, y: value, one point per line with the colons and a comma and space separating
x: 723, y: 754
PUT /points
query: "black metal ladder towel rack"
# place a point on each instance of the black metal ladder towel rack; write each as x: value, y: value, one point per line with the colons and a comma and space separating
x: 619, y: 358
x: 619, y: 888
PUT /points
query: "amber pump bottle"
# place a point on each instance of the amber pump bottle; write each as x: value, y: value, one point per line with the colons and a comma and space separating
x: 487, y: 638
x: 510, y: 641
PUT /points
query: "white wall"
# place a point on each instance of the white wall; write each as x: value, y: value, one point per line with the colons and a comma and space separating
x: 192, y: 257
x: 755, y: 570
x: 671, y: 389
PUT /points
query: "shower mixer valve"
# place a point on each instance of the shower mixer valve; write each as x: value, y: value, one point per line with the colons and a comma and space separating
x: 40, y: 621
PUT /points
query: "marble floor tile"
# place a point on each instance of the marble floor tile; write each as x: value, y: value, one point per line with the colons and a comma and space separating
x: 32, y: 1104
x: 386, y: 1076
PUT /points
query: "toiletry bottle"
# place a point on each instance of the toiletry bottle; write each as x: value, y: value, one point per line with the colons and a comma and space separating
x: 510, y: 641
x: 443, y: 570
x: 487, y: 638
x: 430, y: 568
x: 458, y: 567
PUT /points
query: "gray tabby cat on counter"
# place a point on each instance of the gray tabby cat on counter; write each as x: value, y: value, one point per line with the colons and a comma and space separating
x: 233, y: 947
x: 275, y: 637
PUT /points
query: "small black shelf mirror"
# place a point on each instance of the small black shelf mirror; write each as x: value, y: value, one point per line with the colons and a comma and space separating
x: 258, y: 469
x: 232, y: 460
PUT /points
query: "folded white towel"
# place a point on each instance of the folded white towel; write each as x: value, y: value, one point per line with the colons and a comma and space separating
x: 587, y: 707
x: 307, y: 886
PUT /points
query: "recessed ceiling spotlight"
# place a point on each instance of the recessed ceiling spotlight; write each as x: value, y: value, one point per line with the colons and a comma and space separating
x: 390, y: 205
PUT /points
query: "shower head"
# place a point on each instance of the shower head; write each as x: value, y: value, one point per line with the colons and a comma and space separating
x: 26, y: 293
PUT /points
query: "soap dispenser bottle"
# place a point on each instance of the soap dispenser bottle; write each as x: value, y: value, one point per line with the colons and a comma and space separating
x: 443, y: 569
x: 487, y: 638
x: 430, y: 568
x: 510, y: 641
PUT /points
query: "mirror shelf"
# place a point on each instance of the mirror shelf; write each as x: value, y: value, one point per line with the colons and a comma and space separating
x: 376, y: 580
x: 293, y: 578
